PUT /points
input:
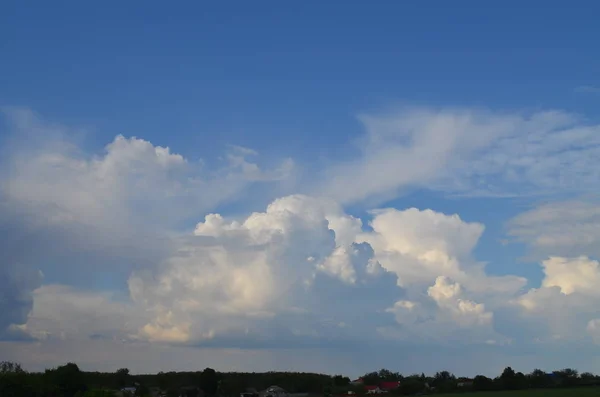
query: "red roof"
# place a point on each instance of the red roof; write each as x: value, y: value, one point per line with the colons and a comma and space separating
x: 389, y: 385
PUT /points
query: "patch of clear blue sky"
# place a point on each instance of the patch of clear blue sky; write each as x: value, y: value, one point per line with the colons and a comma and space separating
x: 288, y: 78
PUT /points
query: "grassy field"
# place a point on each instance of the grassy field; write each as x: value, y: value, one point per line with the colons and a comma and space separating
x: 577, y: 392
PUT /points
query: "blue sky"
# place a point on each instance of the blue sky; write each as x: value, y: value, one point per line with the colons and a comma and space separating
x: 486, y: 112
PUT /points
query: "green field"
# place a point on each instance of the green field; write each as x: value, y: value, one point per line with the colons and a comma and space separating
x: 577, y: 392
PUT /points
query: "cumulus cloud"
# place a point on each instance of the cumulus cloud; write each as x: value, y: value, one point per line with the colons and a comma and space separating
x: 467, y: 152
x: 234, y: 276
x: 449, y: 319
x: 296, y: 275
x: 304, y: 260
x: 572, y: 275
x: 79, y: 216
x: 566, y: 301
x: 131, y: 180
x: 299, y: 271
x: 420, y: 245
x: 447, y: 295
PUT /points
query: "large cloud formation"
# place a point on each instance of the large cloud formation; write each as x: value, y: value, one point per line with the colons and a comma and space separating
x: 121, y: 263
x: 82, y: 216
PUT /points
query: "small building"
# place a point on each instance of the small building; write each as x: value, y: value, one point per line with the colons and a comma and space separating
x: 389, y: 386
x: 374, y: 390
x: 273, y: 391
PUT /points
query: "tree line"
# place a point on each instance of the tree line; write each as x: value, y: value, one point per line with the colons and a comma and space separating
x: 69, y: 381
x: 509, y: 379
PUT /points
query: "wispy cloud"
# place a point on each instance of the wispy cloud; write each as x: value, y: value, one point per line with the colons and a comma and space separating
x: 588, y: 89
x: 467, y: 152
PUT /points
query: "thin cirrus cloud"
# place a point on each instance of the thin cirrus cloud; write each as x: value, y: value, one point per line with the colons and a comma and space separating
x: 469, y: 152
x: 588, y: 89
x: 296, y: 272
x: 568, y: 228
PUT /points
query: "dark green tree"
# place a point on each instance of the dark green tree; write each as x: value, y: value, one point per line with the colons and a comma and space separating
x: 444, y: 381
x: 67, y: 380
x: 567, y: 377
x: 372, y: 378
x: 142, y: 391
x: 340, y: 381
x: 412, y: 385
x: 483, y: 383
x: 209, y: 382
x: 539, y: 379
x: 14, y: 381
x: 122, y: 377
x: 507, y: 380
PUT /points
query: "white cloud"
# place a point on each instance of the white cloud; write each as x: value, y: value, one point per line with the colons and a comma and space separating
x: 564, y: 236
x: 572, y: 275
x: 131, y: 180
x: 568, y: 228
x: 467, y: 152
x: 83, y: 215
x: 450, y: 319
x: 466, y: 313
x: 66, y: 313
x: 233, y: 273
x: 566, y: 300
x: 299, y: 271
x: 419, y: 246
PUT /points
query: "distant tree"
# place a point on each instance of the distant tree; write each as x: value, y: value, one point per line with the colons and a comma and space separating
x: 209, y: 382
x: 66, y: 379
x: 507, y: 380
x: 508, y: 373
x: 387, y: 375
x: 14, y: 381
x: 162, y: 380
x: 539, y: 379
x: 9, y: 367
x: 142, y: 391
x: 122, y: 377
x: 371, y: 378
x: 339, y: 380
x: 587, y: 376
x: 483, y: 383
x: 567, y: 377
x: 444, y: 381
x: 520, y: 381
x: 412, y: 385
